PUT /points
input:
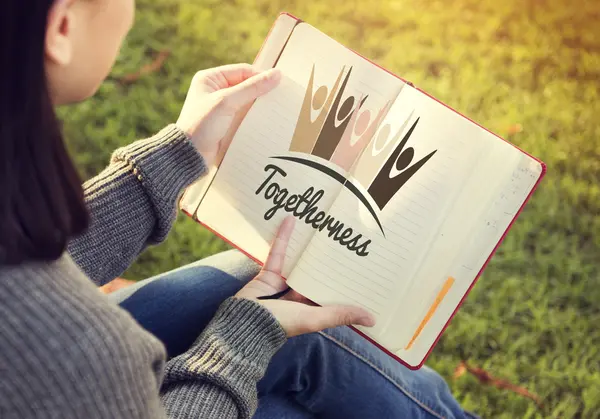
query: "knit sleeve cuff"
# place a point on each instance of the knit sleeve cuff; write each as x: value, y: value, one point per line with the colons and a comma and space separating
x: 232, y: 354
x: 164, y: 165
x: 249, y: 328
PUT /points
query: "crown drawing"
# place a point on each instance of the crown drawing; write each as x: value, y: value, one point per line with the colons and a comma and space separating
x: 342, y: 131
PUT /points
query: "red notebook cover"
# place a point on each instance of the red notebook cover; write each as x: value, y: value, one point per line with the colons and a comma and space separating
x: 543, y: 165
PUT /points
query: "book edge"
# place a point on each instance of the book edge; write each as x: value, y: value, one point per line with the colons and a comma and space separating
x: 533, y: 189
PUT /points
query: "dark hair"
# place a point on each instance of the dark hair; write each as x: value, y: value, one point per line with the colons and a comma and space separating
x: 41, y: 198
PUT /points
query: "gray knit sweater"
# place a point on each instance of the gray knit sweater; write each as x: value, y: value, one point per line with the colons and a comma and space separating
x: 67, y: 352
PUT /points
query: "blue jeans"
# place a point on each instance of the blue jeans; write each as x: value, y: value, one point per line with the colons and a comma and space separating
x: 332, y: 374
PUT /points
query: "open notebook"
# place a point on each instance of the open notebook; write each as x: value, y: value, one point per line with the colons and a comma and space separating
x: 400, y: 200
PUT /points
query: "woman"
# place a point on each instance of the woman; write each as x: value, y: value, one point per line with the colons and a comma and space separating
x: 67, y: 351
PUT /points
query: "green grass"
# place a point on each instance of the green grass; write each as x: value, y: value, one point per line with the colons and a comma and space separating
x: 534, y: 317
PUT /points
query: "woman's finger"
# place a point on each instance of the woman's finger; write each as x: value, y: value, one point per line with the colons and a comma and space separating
x: 276, y: 258
x: 226, y: 76
x: 249, y: 90
x: 334, y: 316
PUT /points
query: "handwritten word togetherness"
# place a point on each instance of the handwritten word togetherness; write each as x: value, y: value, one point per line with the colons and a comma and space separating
x: 304, y: 207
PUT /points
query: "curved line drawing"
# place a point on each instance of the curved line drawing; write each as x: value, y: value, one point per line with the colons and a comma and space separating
x: 340, y: 178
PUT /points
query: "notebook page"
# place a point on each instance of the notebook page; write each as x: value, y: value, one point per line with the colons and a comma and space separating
x: 408, y: 222
x: 280, y: 145
x: 472, y: 230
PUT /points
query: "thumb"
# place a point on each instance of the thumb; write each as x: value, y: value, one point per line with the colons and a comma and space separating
x: 252, y: 88
x: 334, y: 316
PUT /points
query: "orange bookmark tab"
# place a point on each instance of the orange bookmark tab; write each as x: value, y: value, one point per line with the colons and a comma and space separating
x: 438, y: 300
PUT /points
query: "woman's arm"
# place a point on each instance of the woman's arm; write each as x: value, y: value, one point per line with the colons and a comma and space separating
x: 133, y: 202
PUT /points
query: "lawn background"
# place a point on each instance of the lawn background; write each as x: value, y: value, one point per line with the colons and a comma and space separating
x: 527, y: 70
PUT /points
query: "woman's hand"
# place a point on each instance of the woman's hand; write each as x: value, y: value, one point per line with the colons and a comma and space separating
x: 214, y: 98
x: 295, y: 313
